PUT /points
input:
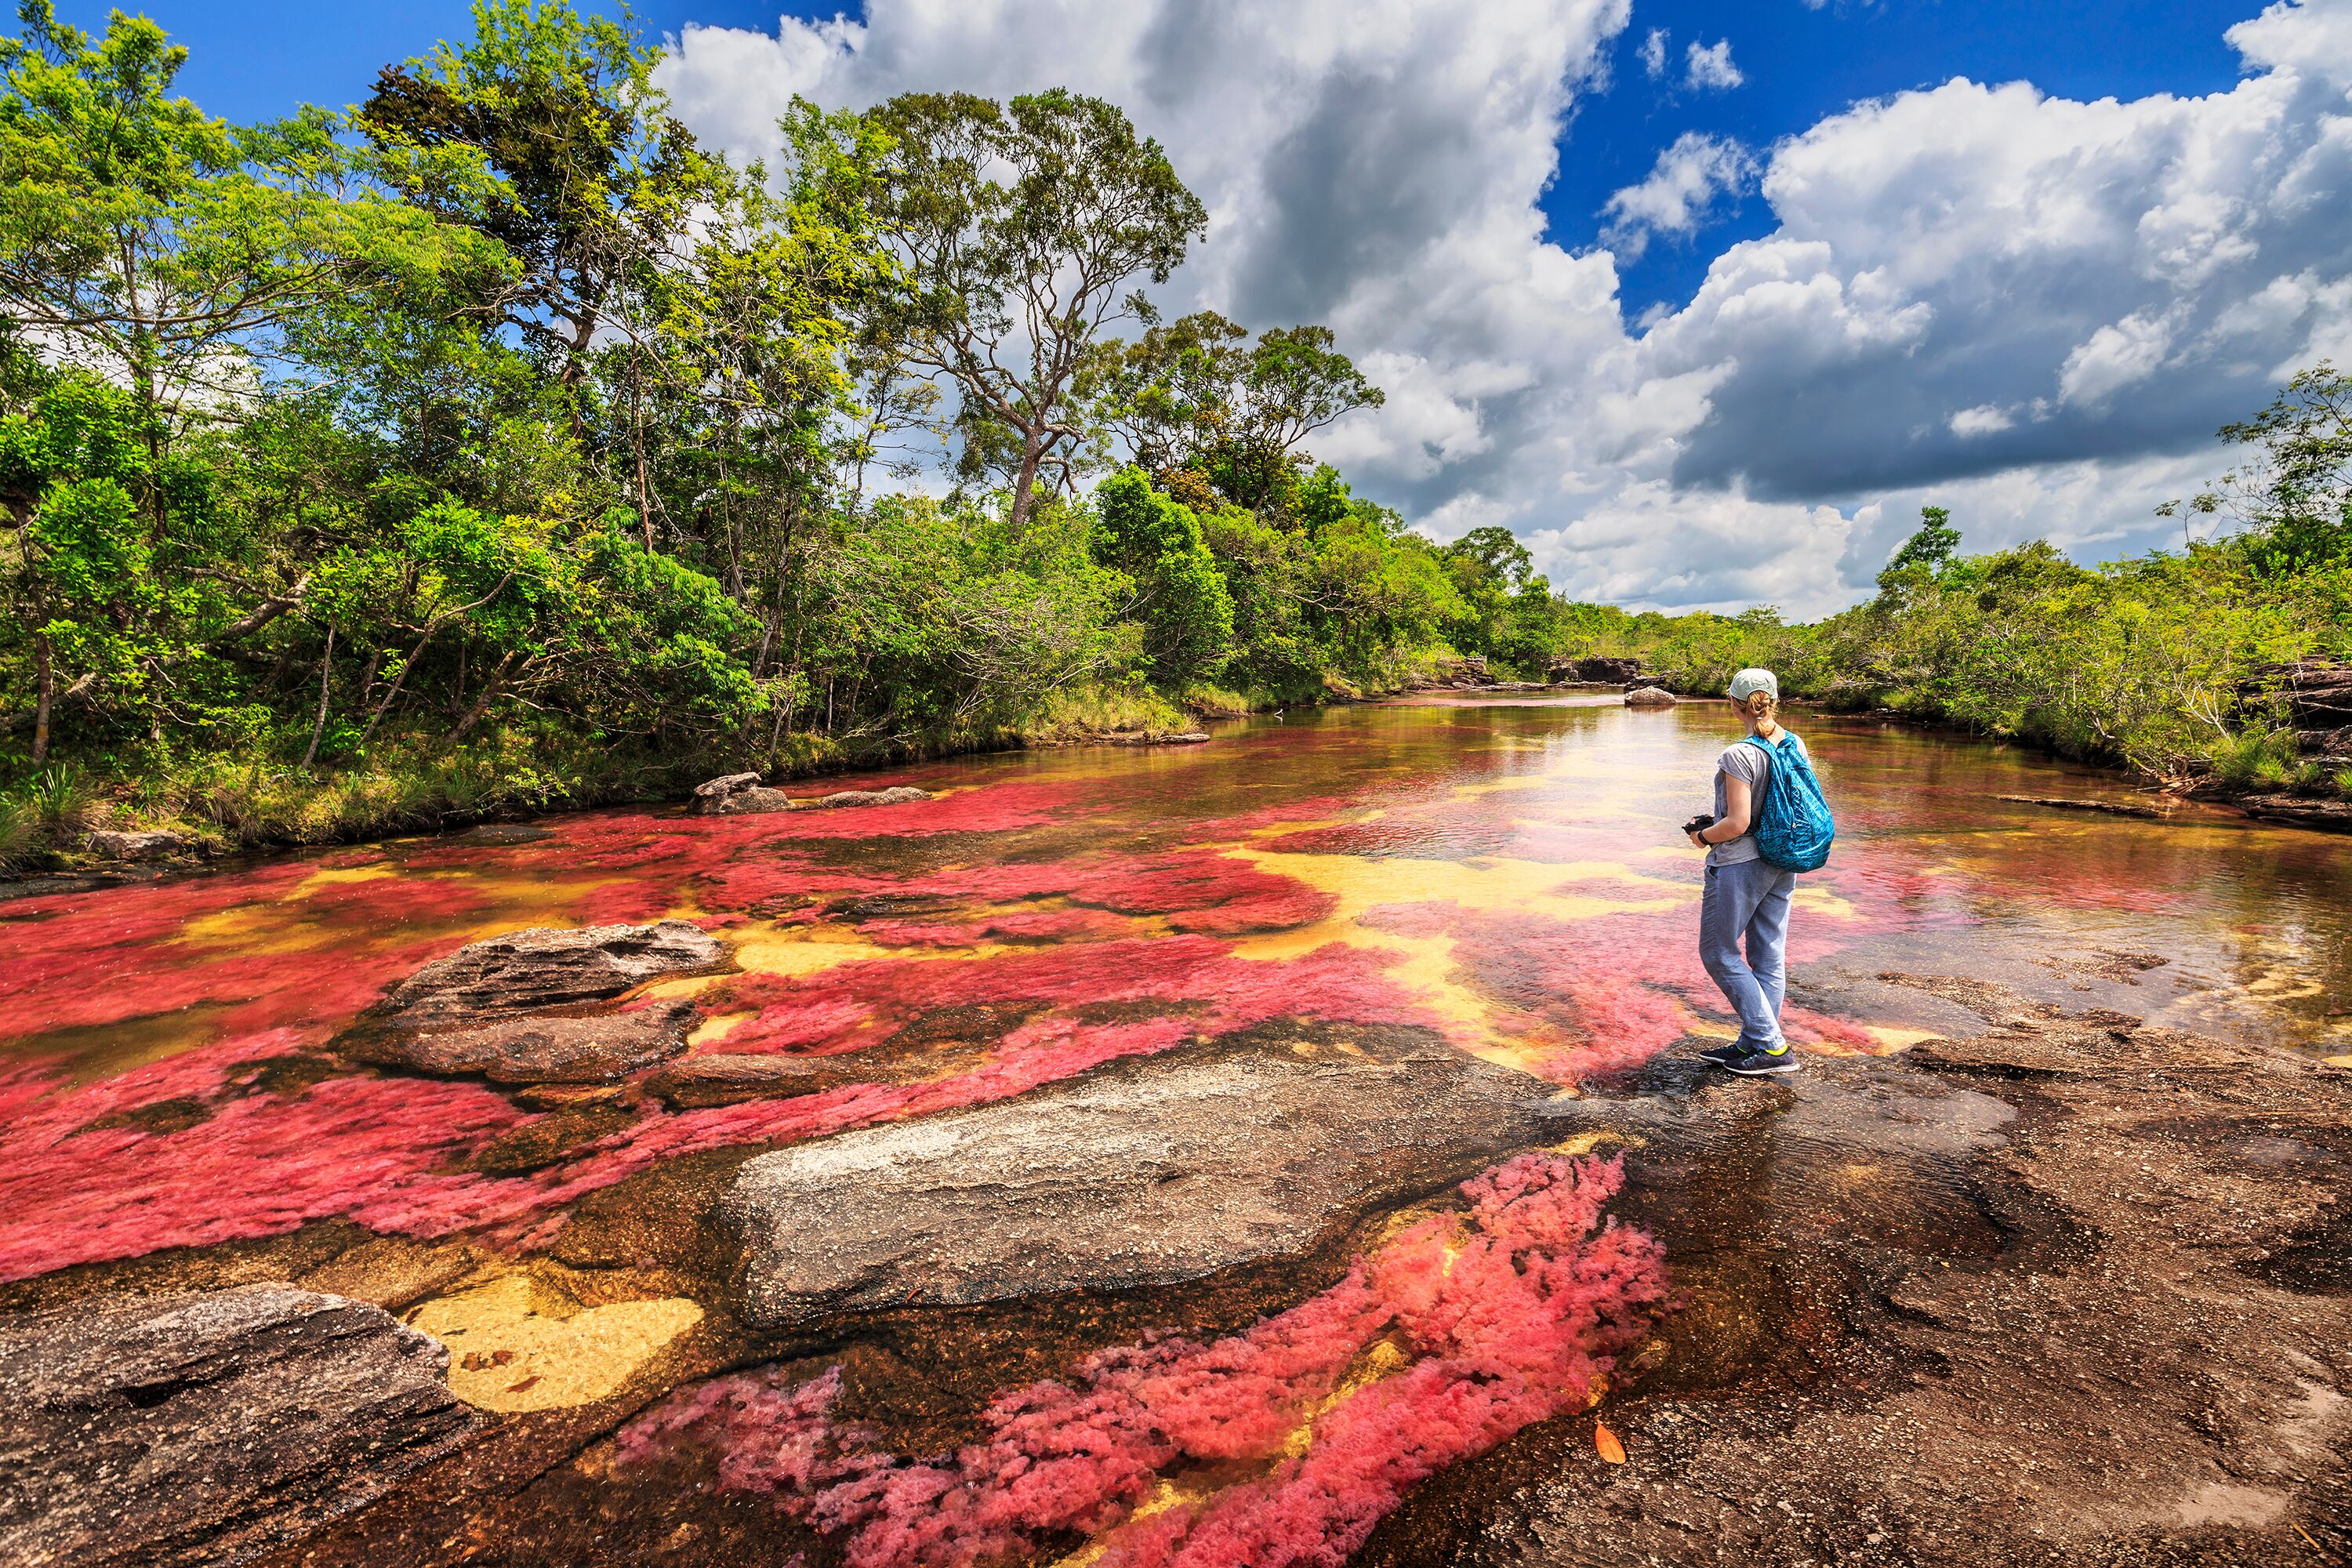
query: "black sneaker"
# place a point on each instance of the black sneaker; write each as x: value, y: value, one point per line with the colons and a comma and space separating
x: 1762, y: 1064
x: 1723, y: 1056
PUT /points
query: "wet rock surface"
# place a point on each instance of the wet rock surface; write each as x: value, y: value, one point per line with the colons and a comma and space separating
x: 527, y: 970
x: 737, y: 794
x: 1649, y: 697
x: 897, y: 795
x: 719, y: 1079
x: 2328, y: 815
x: 2127, y: 1341
x: 543, y: 1049
x: 200, y: 1427
x: 1157, y: 1172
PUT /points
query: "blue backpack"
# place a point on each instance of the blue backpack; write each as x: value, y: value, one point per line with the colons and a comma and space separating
x: 1793, y: 827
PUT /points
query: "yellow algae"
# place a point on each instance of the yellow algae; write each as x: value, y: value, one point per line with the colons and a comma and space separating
x: 1586, y: 1142
x: 328, y: 876
x: 1820, y: 900
x: 1168, y: 1494
x: 2342, y: 1061
x: 1492, y: 884
x: 1383, y: 1360
x: 1891, y: 1038
x: 717, y: 1026
x: 507, y: 1353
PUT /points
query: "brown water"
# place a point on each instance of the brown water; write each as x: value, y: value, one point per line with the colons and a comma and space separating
x: 1504, y: 875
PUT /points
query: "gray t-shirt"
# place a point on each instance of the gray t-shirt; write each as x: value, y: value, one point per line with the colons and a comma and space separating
x: 1744, y: 762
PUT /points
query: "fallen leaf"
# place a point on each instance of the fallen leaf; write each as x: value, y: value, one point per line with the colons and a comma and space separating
x: 1606, y: 1441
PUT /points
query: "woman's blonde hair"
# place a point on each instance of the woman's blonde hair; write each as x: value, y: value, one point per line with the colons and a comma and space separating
x: 1760, y: 705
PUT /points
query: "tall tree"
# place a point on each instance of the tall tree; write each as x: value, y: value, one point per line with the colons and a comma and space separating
x: 1020, y: 225
x: 163, y: 249
x: 1197, y: 395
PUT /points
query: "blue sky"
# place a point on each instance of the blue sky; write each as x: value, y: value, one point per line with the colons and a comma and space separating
x: 1800, y: 64
x: 2032, y: 303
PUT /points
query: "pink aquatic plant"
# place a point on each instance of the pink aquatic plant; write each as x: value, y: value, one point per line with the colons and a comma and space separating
x: 1511, y: 1315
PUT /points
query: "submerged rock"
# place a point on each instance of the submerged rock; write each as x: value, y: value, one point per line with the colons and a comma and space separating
x: 734, y: 795
x: 897, y: 794
x: 1159, y: 1172
x: 2328, y: 815
x: 547, y: 1049
x: 143, y: 1430
x: 1649, y: 697
x: 525, y: 971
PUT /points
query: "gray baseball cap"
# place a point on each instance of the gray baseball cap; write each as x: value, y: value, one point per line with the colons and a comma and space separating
x: 1748, y: 683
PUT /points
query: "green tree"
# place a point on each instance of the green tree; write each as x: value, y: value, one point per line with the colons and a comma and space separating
x: 166, y: 249
x: 1179, y: 596
x: 1019, y: 225
x: 1196, y: 395
x: 2296, y: 496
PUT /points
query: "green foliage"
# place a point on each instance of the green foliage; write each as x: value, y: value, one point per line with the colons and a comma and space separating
x: 1181, y: 596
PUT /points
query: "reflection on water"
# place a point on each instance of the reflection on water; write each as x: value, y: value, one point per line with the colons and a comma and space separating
x: 1506, y: 876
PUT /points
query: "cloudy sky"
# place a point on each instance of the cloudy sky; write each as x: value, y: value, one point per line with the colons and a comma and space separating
x: 1704, y: 300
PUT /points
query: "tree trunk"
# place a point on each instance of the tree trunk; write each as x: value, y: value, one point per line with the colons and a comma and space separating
x: 482, y: 703
x: 1025, y: 484
x: 325, y: 668
x: 49, y: 695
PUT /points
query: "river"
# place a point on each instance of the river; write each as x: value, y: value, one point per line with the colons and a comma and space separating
x: 1500, y: 876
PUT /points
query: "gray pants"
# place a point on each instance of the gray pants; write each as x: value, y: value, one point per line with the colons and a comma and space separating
x: 1748, y: 901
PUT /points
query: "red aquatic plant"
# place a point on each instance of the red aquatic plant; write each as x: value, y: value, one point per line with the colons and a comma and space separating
x: 1508, y: 1318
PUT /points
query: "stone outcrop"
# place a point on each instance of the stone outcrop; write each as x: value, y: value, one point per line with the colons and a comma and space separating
x: 200, y: 1428
x: 521, y: 972
x: 1599, y: 671
x: 2317, y: 694
x: 1163, y: 1170
x: 1156, y: 737
x: 153, y: 845
x: 545, y: 1048
x: 732, y: 795
x: 1649, y: 697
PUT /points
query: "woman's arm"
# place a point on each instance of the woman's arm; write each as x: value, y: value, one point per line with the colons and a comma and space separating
x: 1738, y: 799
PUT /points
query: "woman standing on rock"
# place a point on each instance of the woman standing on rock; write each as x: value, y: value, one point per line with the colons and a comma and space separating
x: 1747, y: 899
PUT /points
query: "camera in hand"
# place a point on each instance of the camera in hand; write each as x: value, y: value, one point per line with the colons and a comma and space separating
x: 1699, y: 823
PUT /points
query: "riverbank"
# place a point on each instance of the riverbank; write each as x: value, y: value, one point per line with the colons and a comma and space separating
x: 2124, y: 1341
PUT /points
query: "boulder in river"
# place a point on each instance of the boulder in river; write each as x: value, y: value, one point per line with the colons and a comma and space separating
x: 525, y: 971
x: 185, y: 1428
x: 543, y: 1049
x: 1649, y: 697
x: 1160, y: 1171
x: 736, y: 794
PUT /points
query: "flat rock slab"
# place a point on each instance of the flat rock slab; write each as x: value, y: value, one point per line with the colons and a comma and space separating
x: 1159, y: 1171
x: 525, y: 971
x: 720, y: 1078
x: 545, y: 1048
x: 897, y: 795
x: 198, y: 1428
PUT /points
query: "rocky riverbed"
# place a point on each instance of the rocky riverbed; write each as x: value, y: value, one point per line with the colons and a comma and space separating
x: 1278, y: 1176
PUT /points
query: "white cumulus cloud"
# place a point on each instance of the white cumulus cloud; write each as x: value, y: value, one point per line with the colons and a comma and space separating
x: 1681, y: 190
x: 1709, y: 66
